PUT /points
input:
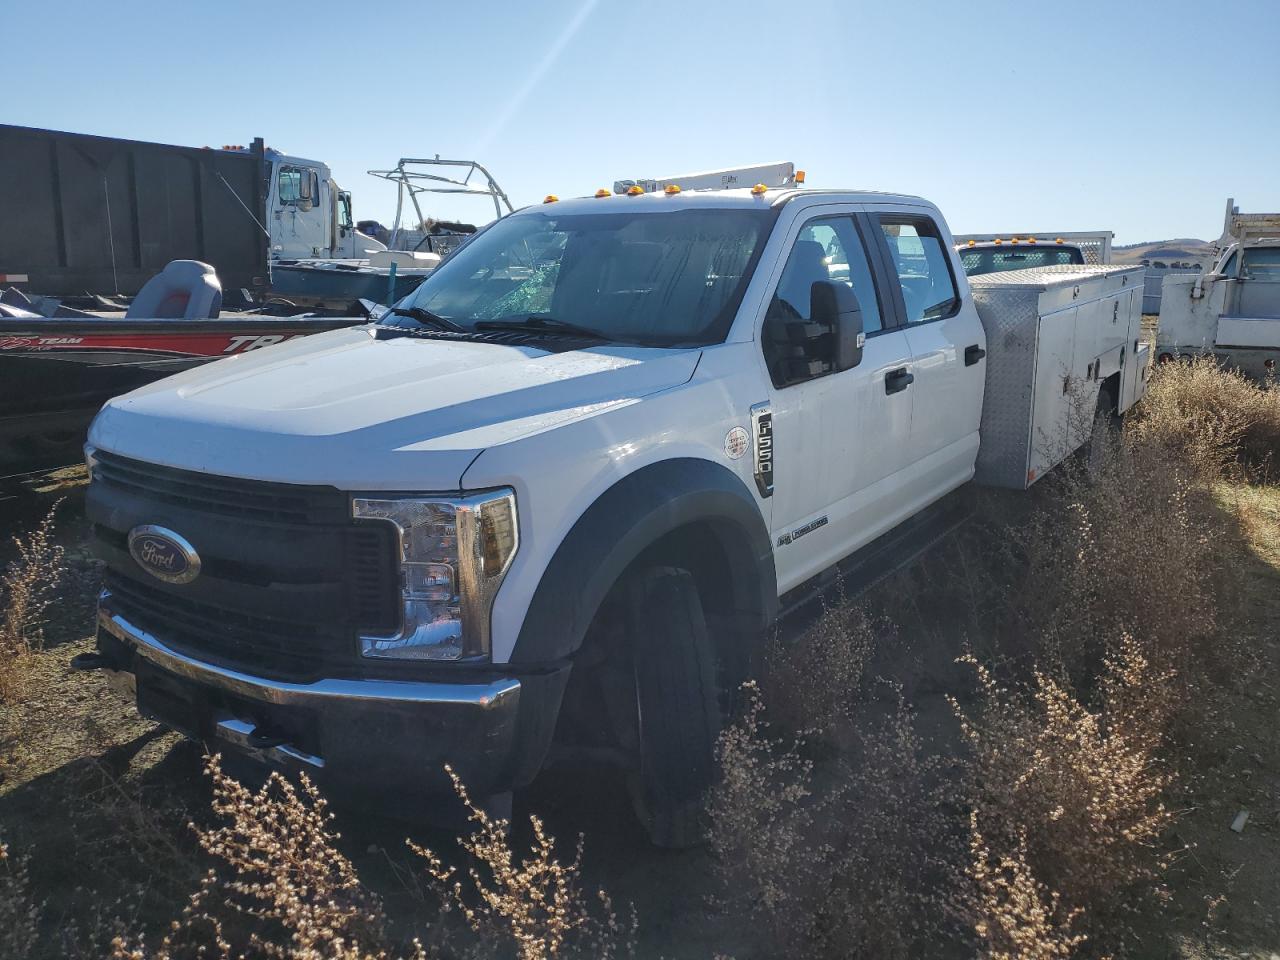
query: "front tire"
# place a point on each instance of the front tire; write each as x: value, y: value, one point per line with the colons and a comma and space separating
x: 677, y: 704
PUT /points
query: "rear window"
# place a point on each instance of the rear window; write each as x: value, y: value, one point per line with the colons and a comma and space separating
x: 992, y: 260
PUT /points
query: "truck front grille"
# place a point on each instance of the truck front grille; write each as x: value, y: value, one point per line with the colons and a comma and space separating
x: 288, y: 581
x: 225, y: 496
x: 274, y: 649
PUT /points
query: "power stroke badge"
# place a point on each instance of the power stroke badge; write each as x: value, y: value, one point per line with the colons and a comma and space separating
x: 164, y: 554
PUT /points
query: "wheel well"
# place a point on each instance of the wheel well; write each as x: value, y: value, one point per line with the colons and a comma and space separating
x: 1111, y: 386
x: 715, y: 554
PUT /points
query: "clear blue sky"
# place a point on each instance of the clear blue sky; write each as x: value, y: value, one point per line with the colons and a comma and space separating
x: 1138, y: 117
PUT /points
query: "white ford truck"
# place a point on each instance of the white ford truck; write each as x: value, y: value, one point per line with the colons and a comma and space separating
x: 558, y: 494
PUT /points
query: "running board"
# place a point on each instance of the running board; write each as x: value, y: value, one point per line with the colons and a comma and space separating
x: 884, y: 556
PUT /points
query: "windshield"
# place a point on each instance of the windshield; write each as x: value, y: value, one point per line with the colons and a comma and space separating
x: 990, y: 260
x: 659, y: 279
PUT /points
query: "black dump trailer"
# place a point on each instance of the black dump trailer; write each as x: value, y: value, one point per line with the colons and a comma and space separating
x: 96, y: 215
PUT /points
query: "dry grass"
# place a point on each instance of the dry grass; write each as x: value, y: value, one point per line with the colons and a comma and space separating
x: 843, y: 859
x: 1015, y: 916
x: 1112, y: 627
x: 536, y: 905
x: 1070, y: 795
x: 811, y: 683
x: 26, y: 590
x: 19, y: 912
x: 1213, y: 419
x: 281, y: 889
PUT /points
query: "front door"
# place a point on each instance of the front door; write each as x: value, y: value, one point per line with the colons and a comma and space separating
x: 839, y: 438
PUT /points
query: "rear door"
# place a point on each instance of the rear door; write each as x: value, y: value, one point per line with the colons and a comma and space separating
x: 947, y: 344
x: 839, y: 438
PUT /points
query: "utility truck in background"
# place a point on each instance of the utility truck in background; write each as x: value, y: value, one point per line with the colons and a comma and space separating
x: 557, y: 495
x: 1014, y: 253
x: 1233, y: 311
x: 101, y: 215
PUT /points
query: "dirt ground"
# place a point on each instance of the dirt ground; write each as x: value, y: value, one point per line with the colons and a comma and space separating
x: 100, y: 800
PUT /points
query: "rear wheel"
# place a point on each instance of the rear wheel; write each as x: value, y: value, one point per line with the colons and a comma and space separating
x: 1105, y: 435
x: 677, y: 711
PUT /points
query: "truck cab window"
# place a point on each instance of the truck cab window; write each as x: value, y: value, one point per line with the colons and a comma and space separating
x: 924, y: 271
x: 1261, y: 263
x: 295, y: 184
x: 826, y: 249
x: 289, y: 185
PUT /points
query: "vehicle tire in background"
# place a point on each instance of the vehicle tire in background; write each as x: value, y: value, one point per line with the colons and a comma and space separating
x: 677, y: 705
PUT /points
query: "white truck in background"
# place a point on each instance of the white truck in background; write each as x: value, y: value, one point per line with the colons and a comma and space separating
x: 1233, y: 311
x: 308, y: 214
x: 562, y: 489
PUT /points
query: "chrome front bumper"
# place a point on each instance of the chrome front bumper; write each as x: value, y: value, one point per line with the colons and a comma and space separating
x: 381, y: 738
x: 493, y: 695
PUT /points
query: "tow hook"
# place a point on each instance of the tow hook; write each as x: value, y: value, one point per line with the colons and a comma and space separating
x: 263, y: 745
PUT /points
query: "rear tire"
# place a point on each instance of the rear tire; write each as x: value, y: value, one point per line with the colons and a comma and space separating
x: 677, y: 704
x: 1102, y: 440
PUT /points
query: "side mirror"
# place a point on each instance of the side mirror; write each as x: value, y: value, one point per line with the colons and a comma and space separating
x: 832, y: 304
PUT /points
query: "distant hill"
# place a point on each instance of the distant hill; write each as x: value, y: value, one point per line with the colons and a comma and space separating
x: 1179, y: 250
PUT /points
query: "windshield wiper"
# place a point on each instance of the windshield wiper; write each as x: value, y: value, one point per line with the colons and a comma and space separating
x: 428, y: 318
x: 540, y: 324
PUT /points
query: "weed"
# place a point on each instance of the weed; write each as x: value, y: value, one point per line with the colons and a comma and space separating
x: 27, y: 590
x: 536, y: 905
x: 19, y: 911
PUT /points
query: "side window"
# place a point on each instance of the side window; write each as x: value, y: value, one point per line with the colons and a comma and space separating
x: 290, y: 185
x: 1261, y: 263
x: 826, y: 249
x: 1229, y: 268
x: 295, y: 184
x: 924, y: 271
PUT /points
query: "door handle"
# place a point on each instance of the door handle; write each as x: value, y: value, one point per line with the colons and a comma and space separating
x: 972, y: 354
x: 895, y: 381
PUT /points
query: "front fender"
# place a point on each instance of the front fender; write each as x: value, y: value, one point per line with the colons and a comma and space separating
x: 622, y: 523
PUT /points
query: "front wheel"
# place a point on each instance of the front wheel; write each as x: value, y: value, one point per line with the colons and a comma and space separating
x: 677, y: 704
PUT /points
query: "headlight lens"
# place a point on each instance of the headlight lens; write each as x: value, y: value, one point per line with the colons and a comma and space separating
x: 454, y: 554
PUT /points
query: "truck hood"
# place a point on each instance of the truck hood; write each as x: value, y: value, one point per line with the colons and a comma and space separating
x: 360, y: 413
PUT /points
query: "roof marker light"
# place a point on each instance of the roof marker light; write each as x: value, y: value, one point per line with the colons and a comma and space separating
x: 998, y: 241
x: 602, y: 192
x: 973, y: 242
x: 635, y: 190
x: 672, y: 189
x: 799, y: 176
x: 550, y: 198
x: 1059, y: 240
x: 759, y: 189
x: 1031, y: 239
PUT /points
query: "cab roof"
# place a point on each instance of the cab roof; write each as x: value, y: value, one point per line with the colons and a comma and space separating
x: 736, y: 198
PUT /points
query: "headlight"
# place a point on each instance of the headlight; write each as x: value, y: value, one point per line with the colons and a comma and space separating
x: 454, y: 553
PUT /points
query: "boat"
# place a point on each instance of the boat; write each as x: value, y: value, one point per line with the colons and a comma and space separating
x: 387, y: 276
x: 58, y: 364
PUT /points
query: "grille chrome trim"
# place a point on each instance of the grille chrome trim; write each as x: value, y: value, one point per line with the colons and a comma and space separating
x: 499, y: 694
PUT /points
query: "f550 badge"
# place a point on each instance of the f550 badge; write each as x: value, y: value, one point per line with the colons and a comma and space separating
x: 762, y: 431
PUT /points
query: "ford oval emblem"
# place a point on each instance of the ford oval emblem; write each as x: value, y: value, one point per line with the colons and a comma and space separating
x: 164, y: 554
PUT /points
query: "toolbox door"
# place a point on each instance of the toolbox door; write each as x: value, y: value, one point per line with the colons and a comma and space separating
x: 1052, y: 404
